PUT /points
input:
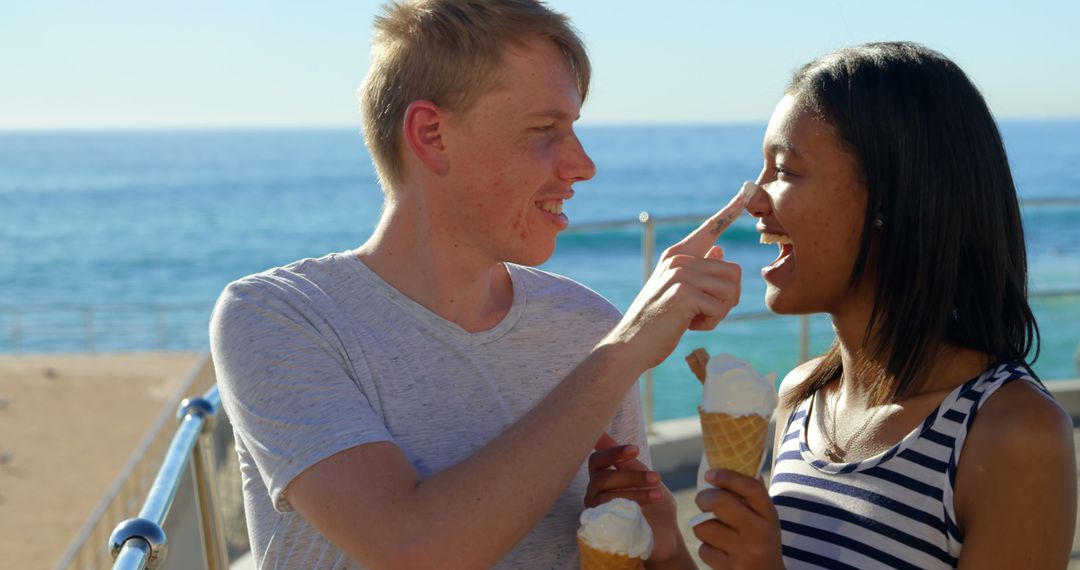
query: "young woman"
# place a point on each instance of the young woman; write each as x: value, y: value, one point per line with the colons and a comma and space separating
x: 921, y: 438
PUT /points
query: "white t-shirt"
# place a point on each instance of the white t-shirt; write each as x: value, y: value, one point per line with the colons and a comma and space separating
x: 323, y: 355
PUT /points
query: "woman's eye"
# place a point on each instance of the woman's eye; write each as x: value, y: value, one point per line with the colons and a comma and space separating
x: 780, y: 171
x: 545, y: 128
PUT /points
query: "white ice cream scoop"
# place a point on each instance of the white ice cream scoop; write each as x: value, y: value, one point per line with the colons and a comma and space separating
x: 733, y: 387
x: 617, y: 526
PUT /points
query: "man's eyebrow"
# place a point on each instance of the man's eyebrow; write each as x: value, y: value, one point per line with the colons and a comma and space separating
x: 554, y: 114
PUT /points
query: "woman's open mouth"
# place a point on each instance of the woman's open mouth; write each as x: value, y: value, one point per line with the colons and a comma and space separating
x: 785, y: 246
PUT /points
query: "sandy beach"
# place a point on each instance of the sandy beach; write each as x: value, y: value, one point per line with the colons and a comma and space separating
x: 68, y: 424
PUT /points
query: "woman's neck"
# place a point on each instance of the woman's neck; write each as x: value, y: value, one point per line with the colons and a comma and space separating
x: 865, y: 366
x: 864, y: 371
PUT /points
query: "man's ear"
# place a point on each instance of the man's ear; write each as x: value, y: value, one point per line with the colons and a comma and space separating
x: 424, y: 124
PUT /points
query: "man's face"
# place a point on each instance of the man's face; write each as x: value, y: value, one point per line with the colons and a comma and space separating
x: 513, y: 158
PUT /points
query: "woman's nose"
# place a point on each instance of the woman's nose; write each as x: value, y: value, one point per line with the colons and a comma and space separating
x: 760, y: 205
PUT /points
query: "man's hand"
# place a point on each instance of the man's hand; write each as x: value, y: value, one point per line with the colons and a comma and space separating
x: 615, y: 471
x: 692, y: 288
x: 470, y: 514
x: 746, y: 531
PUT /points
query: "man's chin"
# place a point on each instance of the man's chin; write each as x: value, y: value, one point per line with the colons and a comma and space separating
x: 534, y: 257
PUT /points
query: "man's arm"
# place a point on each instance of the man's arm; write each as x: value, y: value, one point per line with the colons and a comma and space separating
x: 471, y: 514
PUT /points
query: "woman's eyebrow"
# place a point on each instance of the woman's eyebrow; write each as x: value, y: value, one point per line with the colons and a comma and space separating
x: 784, y: 147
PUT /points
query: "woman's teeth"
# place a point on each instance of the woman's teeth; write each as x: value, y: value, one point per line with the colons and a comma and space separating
x: 779, y: 239
x: 551, y: 206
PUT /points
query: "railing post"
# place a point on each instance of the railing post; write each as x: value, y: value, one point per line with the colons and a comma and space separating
x: 648, y: 247
x: 206, y: 492
x: 16, y: 331
x: 804, y: 338
x: 160, y: 326
x: 88, y: 322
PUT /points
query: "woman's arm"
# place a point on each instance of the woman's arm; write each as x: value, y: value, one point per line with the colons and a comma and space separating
x: 1015, y: 491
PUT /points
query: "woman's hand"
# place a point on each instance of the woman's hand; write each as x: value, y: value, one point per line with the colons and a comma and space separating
x: 615, y: 471
x: 746, y: 532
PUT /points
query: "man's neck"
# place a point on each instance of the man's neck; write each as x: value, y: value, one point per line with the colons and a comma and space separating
x: 430, y: 266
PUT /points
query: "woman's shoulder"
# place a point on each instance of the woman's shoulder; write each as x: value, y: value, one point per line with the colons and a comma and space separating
x: 785, y: 404
x: 1017, y: 472
x: 1020, y: 430
x: 795, y: 378
x: 1021, y: 416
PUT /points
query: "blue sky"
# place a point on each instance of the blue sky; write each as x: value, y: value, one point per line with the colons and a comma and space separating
x: 112, y: 63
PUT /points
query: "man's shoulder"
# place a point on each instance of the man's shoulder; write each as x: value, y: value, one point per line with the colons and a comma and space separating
x: 297, y: 287
x: 293, y: 278
x: 548, y: 287
x: 538, y: 278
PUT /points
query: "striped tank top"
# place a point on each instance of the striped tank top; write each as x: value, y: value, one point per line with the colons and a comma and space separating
x: 894, y: 509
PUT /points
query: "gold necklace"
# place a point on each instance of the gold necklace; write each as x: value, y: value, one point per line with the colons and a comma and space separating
x: 833, y: 450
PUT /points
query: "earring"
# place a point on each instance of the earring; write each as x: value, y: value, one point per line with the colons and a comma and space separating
x: 879, y: 223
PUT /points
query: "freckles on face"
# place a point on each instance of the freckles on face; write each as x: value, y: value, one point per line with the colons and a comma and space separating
x: 814, y: 196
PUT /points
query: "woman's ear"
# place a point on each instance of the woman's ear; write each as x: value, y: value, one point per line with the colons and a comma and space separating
x: 423, y: 130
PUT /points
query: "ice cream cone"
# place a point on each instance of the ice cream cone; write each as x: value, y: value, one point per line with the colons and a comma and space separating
x: 734, y: 442
x: 698, y: 361
x: 597, y: 559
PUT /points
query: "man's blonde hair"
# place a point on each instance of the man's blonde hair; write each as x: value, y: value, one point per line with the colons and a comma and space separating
x: 447, y: 52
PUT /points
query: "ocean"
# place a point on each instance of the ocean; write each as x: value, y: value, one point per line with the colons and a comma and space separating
x: 114, y: 241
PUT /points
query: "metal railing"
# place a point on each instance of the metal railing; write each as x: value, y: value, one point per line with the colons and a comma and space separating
x: 147, y: 487
x: 106, y: 326
x: 142, y: 542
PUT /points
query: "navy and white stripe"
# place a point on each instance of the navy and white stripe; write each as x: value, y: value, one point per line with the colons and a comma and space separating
x: 892, y: 510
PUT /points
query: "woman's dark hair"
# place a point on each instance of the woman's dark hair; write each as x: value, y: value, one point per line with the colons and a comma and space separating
x: 950, y: 261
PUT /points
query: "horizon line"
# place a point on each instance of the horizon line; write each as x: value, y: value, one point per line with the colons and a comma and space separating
x: 51, y: 128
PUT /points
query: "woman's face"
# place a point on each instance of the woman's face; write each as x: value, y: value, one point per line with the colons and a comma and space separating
x: 813, y: 204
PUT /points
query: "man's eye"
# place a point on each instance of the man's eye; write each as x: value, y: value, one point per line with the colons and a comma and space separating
x: 780, y: 171
x: 544, y: 128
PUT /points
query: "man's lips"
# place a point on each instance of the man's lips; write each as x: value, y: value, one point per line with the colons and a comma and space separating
x: 550, y: 206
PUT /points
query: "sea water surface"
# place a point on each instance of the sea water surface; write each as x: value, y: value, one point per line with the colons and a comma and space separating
x: 123, y: 240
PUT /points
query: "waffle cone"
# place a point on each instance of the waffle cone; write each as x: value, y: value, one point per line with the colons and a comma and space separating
x: 597, y: 559
x: 698, y: 361
x: 734, y: 442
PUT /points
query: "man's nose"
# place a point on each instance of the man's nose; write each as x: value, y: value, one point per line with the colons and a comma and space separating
x: 576, y: 166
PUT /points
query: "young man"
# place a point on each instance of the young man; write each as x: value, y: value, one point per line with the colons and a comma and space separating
x: 427, y: 400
